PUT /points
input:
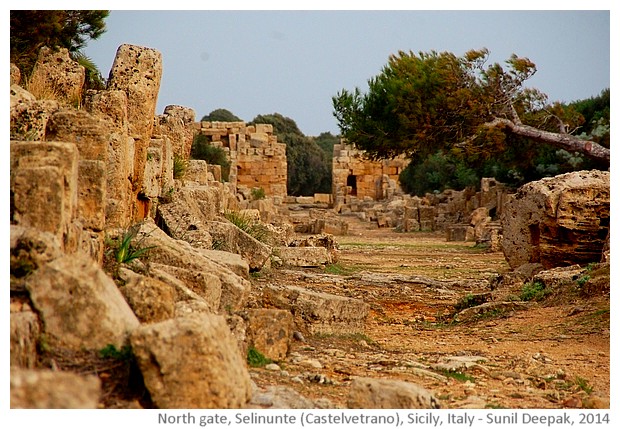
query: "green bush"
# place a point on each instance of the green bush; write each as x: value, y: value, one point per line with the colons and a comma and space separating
x: 257, y: 194
x: 256, y: 359
x: 179, y: 166
x: 202, y: 149
x: 534, y: 291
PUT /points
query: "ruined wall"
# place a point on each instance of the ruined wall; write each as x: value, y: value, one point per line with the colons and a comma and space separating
x: 257, y: 159
x: 356, y: 177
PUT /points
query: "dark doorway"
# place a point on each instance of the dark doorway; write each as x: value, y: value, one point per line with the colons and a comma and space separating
x: 352, y: 182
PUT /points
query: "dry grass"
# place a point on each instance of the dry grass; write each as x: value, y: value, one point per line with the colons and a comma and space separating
x: 43, y: 88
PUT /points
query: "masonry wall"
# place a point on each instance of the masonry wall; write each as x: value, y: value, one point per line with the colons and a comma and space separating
x: 257, y: 159
x: 356, y: 177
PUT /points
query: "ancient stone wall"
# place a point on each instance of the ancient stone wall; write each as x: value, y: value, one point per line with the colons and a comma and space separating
x: 257, y: 159
x: 355, y: 177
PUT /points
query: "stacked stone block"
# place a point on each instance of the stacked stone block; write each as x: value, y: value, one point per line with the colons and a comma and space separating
x: 257, y: 159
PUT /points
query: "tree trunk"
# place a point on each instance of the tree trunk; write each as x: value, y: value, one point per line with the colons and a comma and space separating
x: 565, y: 141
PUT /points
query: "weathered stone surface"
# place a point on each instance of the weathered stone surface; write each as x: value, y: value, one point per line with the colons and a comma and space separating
x: 232, y: 261
x: 153, y: 169
x: 187, y: 301
x: 25, y: 332
x: 92, y: 193
x: 372, y: 393
x: 302, y: 256
x: 53, y: 389
x: 270, y: 331
x: 56, y: 69
x: 319, y: 312
x: 30, y: 249
x: 79, y: 305
x: 86, y: 131
x: 137, y: 71
x: 238, y: 241
x: 20, y: 96
x: 178, y: 253
x: 191, y: 362
x: 473, y: 313
x: 150, y: 299
x: 558, y: 221
x: 197, y: 171
x: 44, y: 183
x: 280, y: 397
x: 180, y: 219
x: 557, y: 277
x: 177, y: 123
x: 206, y: 285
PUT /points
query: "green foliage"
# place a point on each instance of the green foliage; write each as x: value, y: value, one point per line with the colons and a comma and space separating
x: 309, y: 167
x: 111, y: 352
x: 179, y: 166
x: 339, y: 269
x: 256, y: 359
x: 257, y: 194
x: 534, y: 291
x: 470, y: 300
x: 125, y: 250
x: 202, y: 149
x: 94, y: 80
x: 584, y: 385
x: 249, y: 225
x: 457, y: 375
x: 33, y: 29
x: 221, y: 115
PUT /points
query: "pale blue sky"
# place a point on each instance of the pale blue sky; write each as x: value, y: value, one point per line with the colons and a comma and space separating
x: 293, y: 62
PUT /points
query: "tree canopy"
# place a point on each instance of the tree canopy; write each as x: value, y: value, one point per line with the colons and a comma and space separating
x: 221, y: 115
x: 33, y: 29
x: 429, y: 102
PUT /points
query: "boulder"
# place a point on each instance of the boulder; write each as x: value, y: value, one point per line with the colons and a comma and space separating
x: 30, y: 249
x: 191, y: 362
x: 79, y: 305
x: 319, y: 312
x: 204, y: 284
x: 302, y: 256
x: 558, y: 221
x: 53, y: 389
x: 235, y: 240
x: 371, y: 393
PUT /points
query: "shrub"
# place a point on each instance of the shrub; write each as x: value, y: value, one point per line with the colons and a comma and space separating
x: 534, y: 292
x: 202, y: 149
x: 257, y: 194
x: 256, y: 359
x: 179, y: 166
x: 250, y: 226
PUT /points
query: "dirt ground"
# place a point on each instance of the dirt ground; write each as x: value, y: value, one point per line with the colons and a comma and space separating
x: 553, y: 353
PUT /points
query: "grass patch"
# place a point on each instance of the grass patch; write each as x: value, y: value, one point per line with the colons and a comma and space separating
x: 179, y: 166
x: 256, y: 359
x: 470, y: 300
x: 339, y: 269
x: 249, y: 225
x: 111, y: 352
x: 584, y: 385
x: 457, y: 375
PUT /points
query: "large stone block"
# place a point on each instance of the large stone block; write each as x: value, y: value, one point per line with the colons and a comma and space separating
x: 372, y: 393
x: 92, y: 194
x: 53, y: 389
x: 25, y: 334
x: 151, y: 300
x: 89, y: 133
x: 44, y: 183
x: 558, y: 221
x: 234, y: 240
x: 270, y: 331
x: 319, y: 312
x: 55, y: 69
x: 302, y: 256
x: 79, y: 305
x: 192, y: 362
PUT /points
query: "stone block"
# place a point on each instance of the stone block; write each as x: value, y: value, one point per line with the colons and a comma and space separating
x: 25, y: 333
x: 92, y: 194
x: 151, y: 299
x: 270, y: 331
x: 302, y: 256
x: 88, y: 132
x: 192, y: 362
x: 373, y: 393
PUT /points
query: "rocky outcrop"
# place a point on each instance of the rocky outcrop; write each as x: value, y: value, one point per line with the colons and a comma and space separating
x: 53, y: 389
x: 79, y: 305
x: 191, y: 362
x: 558, y: 221
x: 270, y: 331
x: 371, y: 393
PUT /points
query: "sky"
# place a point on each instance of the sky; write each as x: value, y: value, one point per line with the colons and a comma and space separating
x: 293, y: 62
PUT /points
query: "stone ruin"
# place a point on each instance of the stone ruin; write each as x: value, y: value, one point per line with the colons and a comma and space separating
x: 257, y: 159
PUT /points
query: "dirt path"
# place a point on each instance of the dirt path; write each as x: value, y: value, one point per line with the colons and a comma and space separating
x: 543, y: 356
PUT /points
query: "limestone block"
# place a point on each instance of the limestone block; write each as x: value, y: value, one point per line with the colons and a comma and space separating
x: 48, y: 389
x: 31, y: 248
x: 558, y: 221
x: 169, y: 251
x: 177, y: 124
x: 180, y: 220
x: 151, y: 300
x: 232, y: 261
x: 192, y: 362
x: 55, y: 68
x: 373, y: 393
x: 151, y: 184
x: 457, y: 232
x: 270, y: 331
x: 44, y: 183
x: 119, y: 188
x: 29, y: 117
x: 319, y: 312
x: 86, y: 131
x: 259, y: 140
x: 205, y: 285
x: 20, y: 96
x: 412, y: 225
x: 25, y: 333
x: 92, y: 194
x: 197, y: 171
x: 110, y: 105
x: 92, y: 243
x: 264, y: 128
x: 215, y: 171
x: 237, y: 241
x: 79, y: 305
